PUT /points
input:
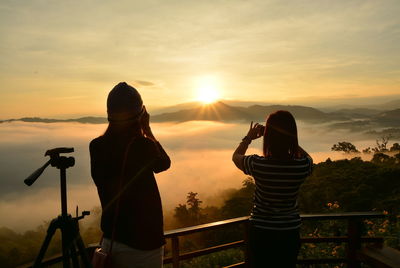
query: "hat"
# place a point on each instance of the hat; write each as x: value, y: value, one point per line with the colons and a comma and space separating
x: 124, y: 103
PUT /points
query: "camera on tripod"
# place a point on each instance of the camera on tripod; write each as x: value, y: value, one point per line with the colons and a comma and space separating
x: 72, y: 243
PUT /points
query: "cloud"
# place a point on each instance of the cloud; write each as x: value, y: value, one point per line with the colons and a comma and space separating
x: 26, y: 211
x: 200, y: 153
x: 144, y: 83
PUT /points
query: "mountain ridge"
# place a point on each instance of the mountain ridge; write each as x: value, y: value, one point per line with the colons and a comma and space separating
x: 220, y: 111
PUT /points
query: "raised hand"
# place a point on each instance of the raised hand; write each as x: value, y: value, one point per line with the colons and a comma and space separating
x: 145, y: 119
x: 145, y: 124
x: 255, y: 131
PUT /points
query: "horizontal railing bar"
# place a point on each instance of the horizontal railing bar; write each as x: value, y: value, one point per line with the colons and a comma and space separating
x: 236, y: 265
x: 218, y: 224
x: 203, y: 227
x: 339, y: 239
x: 321, y: 261
x: 206, y: 251
x: 343, y: 216
x: 300, y: 261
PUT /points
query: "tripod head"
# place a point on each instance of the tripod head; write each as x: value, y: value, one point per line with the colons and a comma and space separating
x: 60, y: 162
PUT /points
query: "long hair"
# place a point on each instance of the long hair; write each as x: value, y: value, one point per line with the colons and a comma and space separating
x: 280, y: 136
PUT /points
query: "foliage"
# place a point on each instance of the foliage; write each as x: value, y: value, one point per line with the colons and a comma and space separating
x: 345, y: 147
x: 190, y: 213
x: 357, y: 185
x: 238, y: 204
x: 395, y: 147
x: 21, y: 248
x: 17, y: 249
x: 381, y: 145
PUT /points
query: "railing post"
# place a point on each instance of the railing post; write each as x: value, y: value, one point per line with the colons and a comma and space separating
x: 246, y: 243
x: 175, y: 251
x: 354, y: 235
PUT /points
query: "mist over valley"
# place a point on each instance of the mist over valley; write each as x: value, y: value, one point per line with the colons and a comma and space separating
x: 200, y: 151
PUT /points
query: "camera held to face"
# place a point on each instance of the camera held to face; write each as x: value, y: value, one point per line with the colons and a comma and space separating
x: 262, y: 130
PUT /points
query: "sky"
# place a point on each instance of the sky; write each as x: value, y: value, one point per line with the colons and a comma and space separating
x: 61, y: 58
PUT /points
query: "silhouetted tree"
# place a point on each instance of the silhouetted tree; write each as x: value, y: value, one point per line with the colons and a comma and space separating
x: 381, y: 145
x: 395, y: 147
x: 181, y: 215
x: 241, y: 201
x: 194, y: 204
x: 189, y: 213
x: 380, y: 158
x: 367, y: 150
x: 345, y: 147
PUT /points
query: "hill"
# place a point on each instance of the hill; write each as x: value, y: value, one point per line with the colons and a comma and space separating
x: 388, y: 118
x: 221, y: 111
x: 351, y: 119
x: 215, y: 112
x: 83, y: 120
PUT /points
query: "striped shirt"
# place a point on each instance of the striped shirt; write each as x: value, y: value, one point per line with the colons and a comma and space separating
x: 277, y: 186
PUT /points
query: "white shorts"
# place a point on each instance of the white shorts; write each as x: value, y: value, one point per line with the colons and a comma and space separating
x: 124, y: 256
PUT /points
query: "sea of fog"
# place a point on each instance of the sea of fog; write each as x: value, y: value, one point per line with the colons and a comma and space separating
x: 200, y: 152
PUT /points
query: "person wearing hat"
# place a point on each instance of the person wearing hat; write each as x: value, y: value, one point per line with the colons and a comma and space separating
x: 123, y: 162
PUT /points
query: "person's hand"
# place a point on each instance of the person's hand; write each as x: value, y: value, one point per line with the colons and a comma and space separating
x: 145, y: 119
x: 145, y: 124
x: 255, y: 131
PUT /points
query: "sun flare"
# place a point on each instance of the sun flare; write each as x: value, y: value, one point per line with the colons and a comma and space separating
x: 207, y: 95
x: 207, y: 90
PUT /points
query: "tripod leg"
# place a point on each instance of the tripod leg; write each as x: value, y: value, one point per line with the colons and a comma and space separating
x: 50, y: 232
x: 74, y: 257
x: 66, y: 242
x: 74, y: 243
x: 83, y: 252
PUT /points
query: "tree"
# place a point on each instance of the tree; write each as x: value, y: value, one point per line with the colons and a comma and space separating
x: 181, y: 214
x: 345, y: 147
x: 367, y: 150
x: 381, y: 145
x: 193, y: 203
x: 241, y: 201
x: 395, y: 147
x: 380, y: 158
x: 189, y: 213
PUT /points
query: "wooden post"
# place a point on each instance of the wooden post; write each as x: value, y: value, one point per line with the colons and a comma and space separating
x: 175, y: 251
x: 354, y: 235
x: 246, y: 244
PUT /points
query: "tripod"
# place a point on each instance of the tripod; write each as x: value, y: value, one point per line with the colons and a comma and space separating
x: 72, y: 243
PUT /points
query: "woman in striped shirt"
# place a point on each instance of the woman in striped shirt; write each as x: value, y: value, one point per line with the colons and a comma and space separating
x: 274, y: 239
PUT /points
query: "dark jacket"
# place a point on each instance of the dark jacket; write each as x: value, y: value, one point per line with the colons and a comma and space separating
x: 139, y: 221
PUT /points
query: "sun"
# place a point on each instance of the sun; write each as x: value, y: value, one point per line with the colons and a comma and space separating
x: 207, y: 94
x: 207, y: 91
